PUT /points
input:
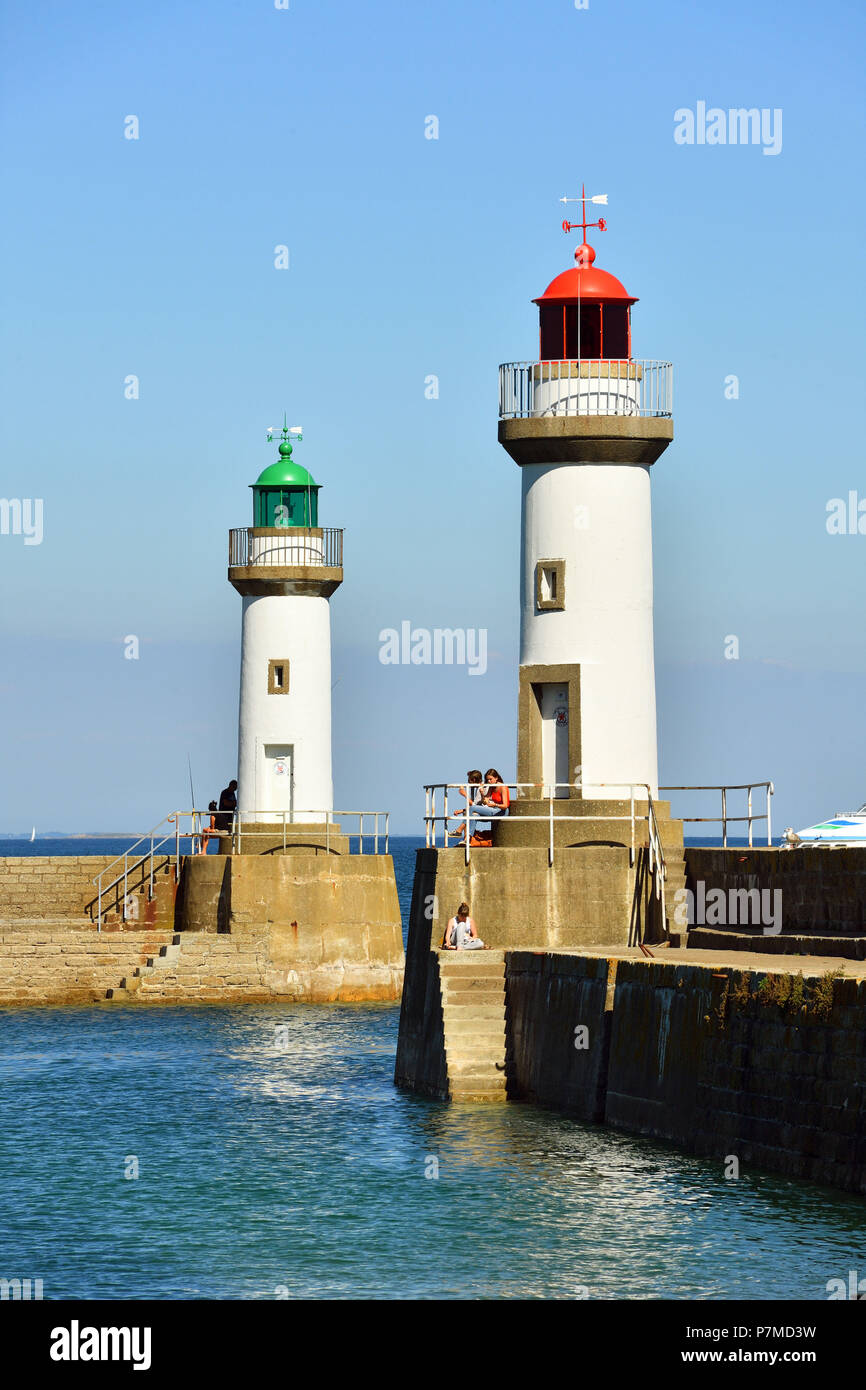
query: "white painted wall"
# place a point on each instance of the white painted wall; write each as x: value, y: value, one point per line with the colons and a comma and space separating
x: 290, y: 549
x: 296, y: 627
x: 597, y: 518
x: 594, y: 395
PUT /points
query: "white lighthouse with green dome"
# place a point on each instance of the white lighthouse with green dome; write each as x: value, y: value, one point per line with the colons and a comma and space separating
x: 285, y: 566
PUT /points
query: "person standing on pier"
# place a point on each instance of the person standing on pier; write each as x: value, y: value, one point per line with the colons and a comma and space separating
x: 228, y: 804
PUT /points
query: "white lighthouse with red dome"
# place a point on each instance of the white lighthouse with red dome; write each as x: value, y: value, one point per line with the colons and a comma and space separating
x: 586, y: 422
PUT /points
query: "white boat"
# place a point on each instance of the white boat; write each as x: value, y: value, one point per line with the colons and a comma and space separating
x: 33, y: 834
x: 845, y: 828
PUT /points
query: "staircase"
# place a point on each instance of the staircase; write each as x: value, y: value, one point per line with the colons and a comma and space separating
x: 164, y: 959
x: 208, y: 968
x: 473, y: 1012
x: 63, y: 964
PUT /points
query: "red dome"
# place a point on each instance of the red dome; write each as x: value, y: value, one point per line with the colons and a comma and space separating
x: 586, y: 282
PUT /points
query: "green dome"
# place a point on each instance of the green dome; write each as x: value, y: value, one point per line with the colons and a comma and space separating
x: 284, y: 473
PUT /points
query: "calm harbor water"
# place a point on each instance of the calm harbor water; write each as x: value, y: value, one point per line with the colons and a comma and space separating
x: 286, y: 1164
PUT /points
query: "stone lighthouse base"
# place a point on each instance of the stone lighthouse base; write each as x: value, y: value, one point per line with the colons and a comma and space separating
x: 323, y: 927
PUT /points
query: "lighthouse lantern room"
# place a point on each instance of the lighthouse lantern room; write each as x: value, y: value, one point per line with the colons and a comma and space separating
x: 285, y: 493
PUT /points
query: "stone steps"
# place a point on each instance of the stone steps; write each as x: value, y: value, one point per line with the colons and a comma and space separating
x: 472, y: 985
x: 73, y: 966
x: 458, y: 1012
x: 203, y: 966
x: 60, y: 886
x: 491, y: 1026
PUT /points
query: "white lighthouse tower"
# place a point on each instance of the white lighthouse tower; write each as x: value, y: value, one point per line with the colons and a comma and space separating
x: 286, y: 567
x: 585, y: 423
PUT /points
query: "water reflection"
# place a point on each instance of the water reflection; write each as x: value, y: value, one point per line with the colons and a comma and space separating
x: 290, y: 1159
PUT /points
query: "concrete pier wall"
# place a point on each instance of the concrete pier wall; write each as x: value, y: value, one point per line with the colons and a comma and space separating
x: 49, y: 886
x: 331, y: 924
x: 303, y: 926
x: 765, y: 1066
x: 590, y: 895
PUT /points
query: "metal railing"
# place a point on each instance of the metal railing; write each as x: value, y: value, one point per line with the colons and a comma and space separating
x: 156, y: 839
x: 586, y: 387
x: 265, y: 545
x: 199, y: 833
x: 473, y: 813
x: 725, y: 819
x: 244, y: 829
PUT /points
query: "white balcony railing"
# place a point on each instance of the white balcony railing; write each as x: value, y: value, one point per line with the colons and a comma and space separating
x: 585, y: 387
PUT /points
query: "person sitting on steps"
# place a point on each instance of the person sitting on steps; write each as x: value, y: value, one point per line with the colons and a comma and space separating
x: 461, y: 934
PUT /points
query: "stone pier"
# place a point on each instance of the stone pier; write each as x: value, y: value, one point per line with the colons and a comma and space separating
x: 312, y: 923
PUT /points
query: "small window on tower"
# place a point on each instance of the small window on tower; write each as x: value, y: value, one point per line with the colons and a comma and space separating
x: 278, y: 677
x: 550, y: 585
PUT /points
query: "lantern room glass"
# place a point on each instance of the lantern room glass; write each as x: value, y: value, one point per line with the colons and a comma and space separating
x: 300, y: 506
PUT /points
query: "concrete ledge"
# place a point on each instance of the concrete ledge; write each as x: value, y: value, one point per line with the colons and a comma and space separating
x: 628, y: 439
x: 848, y: 947
x: 254, y: 580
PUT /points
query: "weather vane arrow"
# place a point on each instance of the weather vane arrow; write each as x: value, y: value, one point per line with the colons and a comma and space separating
x: 296, y: 431
x: 583, y: 224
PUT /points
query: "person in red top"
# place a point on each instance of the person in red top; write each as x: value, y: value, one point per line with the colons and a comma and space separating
x: 495, y: 802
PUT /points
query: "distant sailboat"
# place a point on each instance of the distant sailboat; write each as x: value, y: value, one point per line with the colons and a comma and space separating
x: 33, y: 834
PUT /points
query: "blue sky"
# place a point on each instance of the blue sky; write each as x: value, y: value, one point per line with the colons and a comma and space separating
x: 411, y: 257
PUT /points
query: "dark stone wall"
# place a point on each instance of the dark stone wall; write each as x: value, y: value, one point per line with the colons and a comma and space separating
x: 770, y: 1068
x: 823, y: 890
x: 421, y: 1062
x: 550, y: 1064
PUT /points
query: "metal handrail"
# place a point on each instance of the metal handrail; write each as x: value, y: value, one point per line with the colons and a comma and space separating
x: 242, y: 827
x: 198, y: 829
x: 586, y: 386
x: 724, y: 819
x: 155, y: 845
x: 656, y: 856
x: 480, y: 813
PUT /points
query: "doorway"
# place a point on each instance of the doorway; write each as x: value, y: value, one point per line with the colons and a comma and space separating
x: 279, y: 780
x: 553, y: 704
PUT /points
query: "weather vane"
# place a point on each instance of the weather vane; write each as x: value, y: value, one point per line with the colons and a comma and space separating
x: 583, y: 224
x: 294, y: 430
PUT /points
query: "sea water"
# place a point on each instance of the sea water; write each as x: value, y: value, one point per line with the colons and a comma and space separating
x: 264, y: 1152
